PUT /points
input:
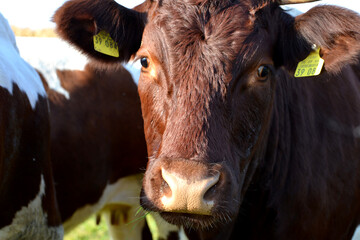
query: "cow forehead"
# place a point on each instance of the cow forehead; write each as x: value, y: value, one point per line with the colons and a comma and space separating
x: 189, y: 33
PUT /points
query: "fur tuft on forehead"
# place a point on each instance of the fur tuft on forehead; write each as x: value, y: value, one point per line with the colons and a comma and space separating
x: 214, y: 3
x: 208, y: 36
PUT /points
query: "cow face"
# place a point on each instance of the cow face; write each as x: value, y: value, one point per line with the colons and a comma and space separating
x: 206, y: 93
x: 209, y: 71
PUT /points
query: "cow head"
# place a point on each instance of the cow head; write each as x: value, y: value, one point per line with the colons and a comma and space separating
x: 207, y: 87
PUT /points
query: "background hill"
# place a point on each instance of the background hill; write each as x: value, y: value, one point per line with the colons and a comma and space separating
x: 27, y: 32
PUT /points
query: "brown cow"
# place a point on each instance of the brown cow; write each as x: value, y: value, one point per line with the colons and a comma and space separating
x: 28, y: 207
x: 237, y: 145
x: 98, y: 150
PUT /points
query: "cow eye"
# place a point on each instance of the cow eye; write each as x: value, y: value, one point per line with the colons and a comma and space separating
x: 144, y: 62
x: 263, y: 72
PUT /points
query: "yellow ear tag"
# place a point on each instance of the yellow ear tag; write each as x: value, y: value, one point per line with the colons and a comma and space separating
x: 311, y: 66
x: 105, y: 44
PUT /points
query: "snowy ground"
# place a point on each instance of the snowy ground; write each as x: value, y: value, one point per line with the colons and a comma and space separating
x: 49, y: 54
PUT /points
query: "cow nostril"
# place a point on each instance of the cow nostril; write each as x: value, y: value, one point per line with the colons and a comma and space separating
x: 211, y: 193
x: 165, y: 189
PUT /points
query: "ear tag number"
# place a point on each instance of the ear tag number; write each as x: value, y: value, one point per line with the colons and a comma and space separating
x: 311, y: 66
x: 105, y: 44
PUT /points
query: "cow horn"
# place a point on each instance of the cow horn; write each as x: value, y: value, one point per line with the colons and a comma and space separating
x: 283, y: 2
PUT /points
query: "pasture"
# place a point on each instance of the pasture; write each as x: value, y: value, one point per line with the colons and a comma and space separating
x: 89, y: 231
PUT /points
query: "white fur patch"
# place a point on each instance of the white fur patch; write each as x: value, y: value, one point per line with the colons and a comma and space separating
x: 182, y: 234
x: 121, y: 201
x: 14, y: 69
x: 30, y: 222
x: 162, y: 229
x: 125, y: 191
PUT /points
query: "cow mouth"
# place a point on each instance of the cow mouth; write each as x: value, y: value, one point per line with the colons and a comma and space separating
x: 194, y: 221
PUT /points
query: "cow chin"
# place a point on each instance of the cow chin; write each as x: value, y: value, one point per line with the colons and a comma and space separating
x: 218, y: 218
x: 194, y: 221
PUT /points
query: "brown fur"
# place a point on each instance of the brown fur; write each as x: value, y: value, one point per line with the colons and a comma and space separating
x: 25, y: 157
x: 288, y: 148
x: 97, y: 135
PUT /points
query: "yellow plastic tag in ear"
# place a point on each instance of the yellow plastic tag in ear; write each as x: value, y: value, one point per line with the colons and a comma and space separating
x: 311, y: 66
x: 105, y: 44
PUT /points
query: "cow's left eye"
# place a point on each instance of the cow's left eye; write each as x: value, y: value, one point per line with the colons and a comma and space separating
x: 263, y: 72
x: 144, y: 62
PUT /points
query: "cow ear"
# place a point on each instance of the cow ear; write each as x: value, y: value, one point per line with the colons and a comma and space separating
x: 77, y: 21
x: 335, y: 30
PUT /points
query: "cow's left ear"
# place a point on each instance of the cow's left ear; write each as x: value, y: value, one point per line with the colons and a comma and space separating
x: 77, y: 21
x: 335, y: 30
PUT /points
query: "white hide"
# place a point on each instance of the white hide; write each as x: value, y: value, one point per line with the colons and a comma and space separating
x: 14, y: 69
x: 161, y: 229
x: 30, y: 222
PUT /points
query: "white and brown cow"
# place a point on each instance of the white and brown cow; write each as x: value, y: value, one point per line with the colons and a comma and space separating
x: 99, y: 153
x: 28, y: 206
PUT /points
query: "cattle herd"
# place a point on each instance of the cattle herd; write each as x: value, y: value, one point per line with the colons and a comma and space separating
x: 221, y: 139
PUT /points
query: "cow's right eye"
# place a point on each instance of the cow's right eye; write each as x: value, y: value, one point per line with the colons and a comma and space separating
x: 144, y: 62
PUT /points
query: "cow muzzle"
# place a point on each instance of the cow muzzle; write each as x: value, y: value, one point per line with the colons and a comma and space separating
x: 182, y: 186
x: 188, y: 195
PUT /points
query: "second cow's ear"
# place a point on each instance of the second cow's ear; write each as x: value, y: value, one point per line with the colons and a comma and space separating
x: 78, y: 21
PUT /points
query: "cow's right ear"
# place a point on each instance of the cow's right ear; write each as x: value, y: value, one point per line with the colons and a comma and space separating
x: 77, y: 21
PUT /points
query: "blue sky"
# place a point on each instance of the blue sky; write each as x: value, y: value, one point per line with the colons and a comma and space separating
x: 37, y: 14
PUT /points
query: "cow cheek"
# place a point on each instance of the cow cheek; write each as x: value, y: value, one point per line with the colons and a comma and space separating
x: 153, y: 120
